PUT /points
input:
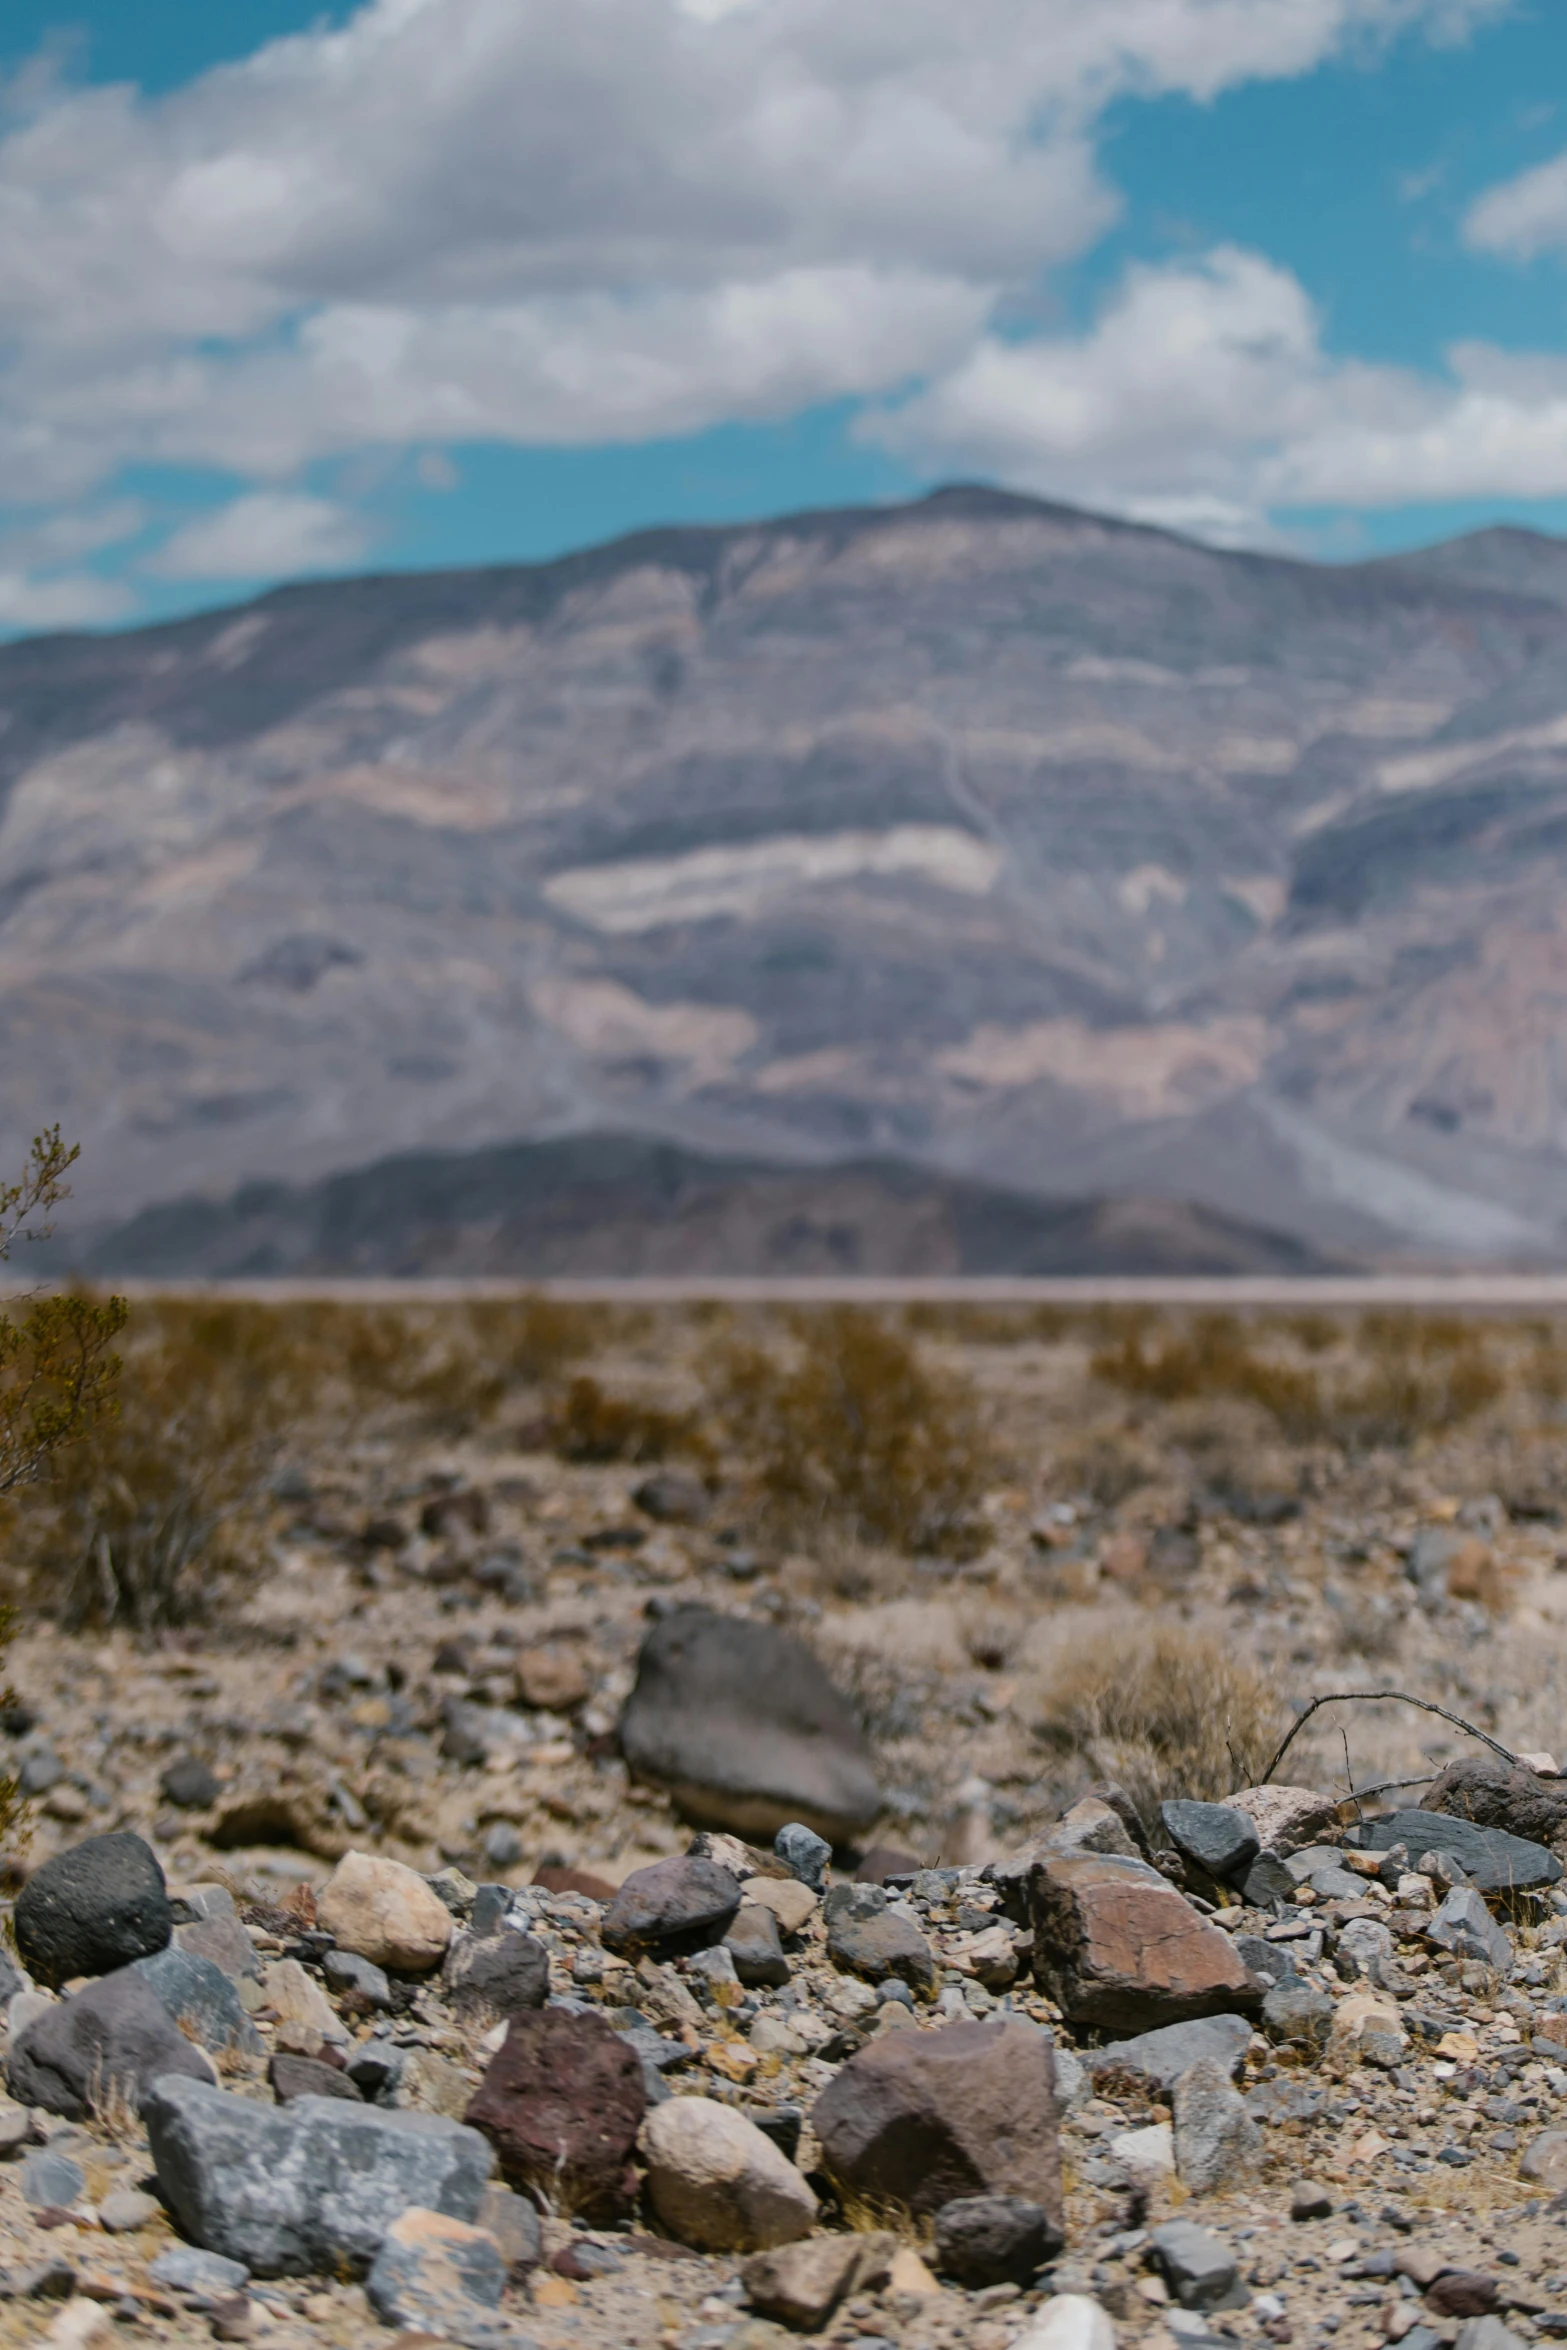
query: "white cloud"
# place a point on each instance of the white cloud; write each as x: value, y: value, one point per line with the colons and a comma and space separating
x: 1524, y: 216
x: 451, y: 219
x: 1203, y: 399
x: 79, y: 601
x: 262, y: 534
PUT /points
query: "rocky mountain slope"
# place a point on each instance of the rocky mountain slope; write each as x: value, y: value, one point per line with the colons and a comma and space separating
x: 980, y: 836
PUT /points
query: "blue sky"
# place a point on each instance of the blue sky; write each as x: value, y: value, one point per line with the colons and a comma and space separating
x: 289, y: 290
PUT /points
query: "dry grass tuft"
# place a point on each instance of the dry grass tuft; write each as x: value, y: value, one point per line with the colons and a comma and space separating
x: 852, y: 1429
x: 1169, y: 1712
x: 586, y: 1423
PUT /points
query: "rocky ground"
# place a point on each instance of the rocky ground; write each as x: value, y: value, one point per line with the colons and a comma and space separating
x: 745, y: 2093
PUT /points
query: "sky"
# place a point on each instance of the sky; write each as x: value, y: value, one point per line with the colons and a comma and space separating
x: 291, y: 291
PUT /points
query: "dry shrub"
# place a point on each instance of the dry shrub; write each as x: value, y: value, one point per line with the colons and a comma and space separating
x: 853, y: 1429
x: 144, y: 1517
x: 445, y: 1371
x: 1108, y: 1465
x: 1413, y: 1375
x: 586, y: 1423
x: 1169, y: 1712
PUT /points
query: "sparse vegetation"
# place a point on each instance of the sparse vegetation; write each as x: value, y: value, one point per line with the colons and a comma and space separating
x: 850, y: 1427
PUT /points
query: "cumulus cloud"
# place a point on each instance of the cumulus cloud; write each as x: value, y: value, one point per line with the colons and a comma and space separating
x: 1203, y: 399
x: 458, y: 219
x: 262, y: 534
x: 1522, y: 217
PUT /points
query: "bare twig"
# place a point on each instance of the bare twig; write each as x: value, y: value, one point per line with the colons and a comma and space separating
x: 1349, y: 1776
x: 1378, y: 1697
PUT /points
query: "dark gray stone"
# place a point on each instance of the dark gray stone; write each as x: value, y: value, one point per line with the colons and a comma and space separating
x: 201, y: 1999
x: 866, y: 1935
x: 994, y: 2240
x: 375, y: 2068
x: 496, y: 1974
x: 674, y: 1498
x: 1494, y: 1794
x: 187, y: 2269
x: 11, y: 1979
x: 1492, y: 1860
x: 1464, y: 1925
x: 189, y: 1785
x: 52, y: 2179
x: 753, y: 1943
x: 292, y: 2077
x: 742, y: 1726
x: 1158, y: 2059
x: 490, y: 1904
x: 671, y: 1908
x: 804, y: 1854
x: 113, y: 2039
x: 1270, y: 1961
x: 1266, y: 1881
x: 94, y: 1908
x: 345, y: 1970
x: 1297, y: 2010
x: 40, y: 1772
x: 225, y: 1942
x: 304, y: 2189
x: 1199, y: 2270
x: 1218, y: 1839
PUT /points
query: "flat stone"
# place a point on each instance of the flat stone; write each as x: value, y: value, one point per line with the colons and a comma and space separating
x: 1200, y: 2270
x: 1480, y: 2333
x: 1462, y: 1923
x: 1219, y: 1838
x: 1544, y: 2160
x: 294, y: 2190
x: 753, y: 1943
x: 436, y: 2275
x: 801, y: 2284
x: 345, y: 1970
x: 91, y: 1909
x: 513, y: 2223
x: 386, y: 1913
x: 490, y: 1976
x: 671, y: 1908
x: 1492, y: 1860
x: 188, y: 2269
x: 110, y: 2041
x: 717, y: 2183
x: 1216, y: 2141
x: 919, y: 2118
x: 562, y: 2102
x: 741, y: 1725
x: 1158, y: 2059
x: 201, y: 1999
x: 1267, y: 1881
x: 307, y: 2076
x: 296, y: 1998
x: 223, y: 1943
x: 49, y: 2178
x: 994, y: 2240
x: 792, y: 1904
x: 869, y: 1938
x: 1285, y: 1818
x: 127, y: 2210
x: 1118, y: 1948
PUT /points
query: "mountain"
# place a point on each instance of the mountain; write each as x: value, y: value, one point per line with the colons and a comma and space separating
x: 1037, y: 855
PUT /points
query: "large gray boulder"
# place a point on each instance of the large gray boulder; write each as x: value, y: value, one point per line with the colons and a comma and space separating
x: 307, y: 2188
x: 1493, y: 1860
x: 108, y: 2043
x: 743, y: 1728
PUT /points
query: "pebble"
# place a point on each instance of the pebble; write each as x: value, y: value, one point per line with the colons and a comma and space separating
x: 127, y: 2209
x: 386, y: 1913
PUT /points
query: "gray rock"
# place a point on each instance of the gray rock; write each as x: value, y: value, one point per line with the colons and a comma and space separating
x: 496, y: 1975
x: 39, y: 1772
x: 189, y: 1784
x: 1492, y: 1860
x: 1311, y: 1860
x: 306, y: 2188
x: 436, y: 2275
x: 1267, y: 1880
x: 113, y: 2039
x: 187, y: 2269
x: 345, y: 1970
x: 53, y: 2279
x: 455, y: 1890
x: 1483, y: 2333
x: 869, y: 1937
x: 1270, y: 1961
x: 503, y: 1846
x: 52, y: 2179
x: 376, y: 2069
x: 1296, y: 2010
x: 1363, y: 1949
x: 293, y: 2076
x: 994, y: 2240
x: 1220, y: 1840
x: 1335, y: 1884
x: 804, y: 1854
x: 753, y: 1943
x: 96, y: 1907
x: 1464, y: 1925
x: 1431, y: 1555
x: 1199, y: 2270
x: 223, y: 1941
x: 1216, y: 2140
x: 674, y: 1498
x: 739, y: 1722
x: 1158, y: 2059
x: 490, y: 1904
x: 671, y: 1908
x: 201, y: 1999
x: 513, y: 2222
x: 127, y: 2210
x: 12, y: 1980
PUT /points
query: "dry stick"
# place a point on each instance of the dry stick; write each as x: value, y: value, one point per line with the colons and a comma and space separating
x: 1377, y: 1697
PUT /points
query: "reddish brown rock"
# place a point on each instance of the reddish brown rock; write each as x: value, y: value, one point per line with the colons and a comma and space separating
x: 671, y: 1907
x: 1463, y: 2292
x: 919, y: 2118
x: 1118, y: 1948
x: 564, y: 1880
x: 561, y: 2104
